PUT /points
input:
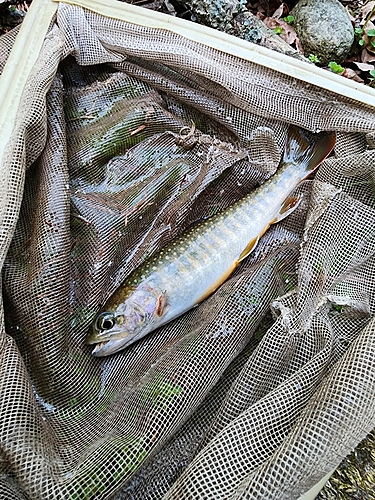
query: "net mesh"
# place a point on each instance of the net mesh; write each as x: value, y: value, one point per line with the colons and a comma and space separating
x: 125, y: 136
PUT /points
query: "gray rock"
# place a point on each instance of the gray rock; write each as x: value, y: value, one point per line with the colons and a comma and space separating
x: 251, y: 28
x: 324, y: 29
x: 215, y: 13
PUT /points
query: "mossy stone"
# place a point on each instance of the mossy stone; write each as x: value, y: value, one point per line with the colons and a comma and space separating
x: 324, y: 29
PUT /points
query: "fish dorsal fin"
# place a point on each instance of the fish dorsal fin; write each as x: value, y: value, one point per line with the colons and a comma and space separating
x: 308, y: 155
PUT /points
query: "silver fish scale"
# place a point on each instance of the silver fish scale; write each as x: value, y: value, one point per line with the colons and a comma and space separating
x: 195, y: 260
x: 193, y: 265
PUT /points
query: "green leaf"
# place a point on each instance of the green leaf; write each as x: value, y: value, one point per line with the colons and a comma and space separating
x: 278, y: 30
x: 372, y: 72
x: 336, y: 68
x: 361, y: 42
x: 337, y: 307
x: 373, y: 43
x: 371, y: 32
x: 358, y: 31
x: 289, y: 19
x: 313, y: 58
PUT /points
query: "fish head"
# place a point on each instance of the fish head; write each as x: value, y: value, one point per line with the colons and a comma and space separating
x: 112, y: 330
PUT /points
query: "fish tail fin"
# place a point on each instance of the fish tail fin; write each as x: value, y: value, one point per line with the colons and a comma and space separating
x: 308, y: 155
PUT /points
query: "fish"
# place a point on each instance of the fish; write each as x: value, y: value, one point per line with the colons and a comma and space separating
x: 191, y: 267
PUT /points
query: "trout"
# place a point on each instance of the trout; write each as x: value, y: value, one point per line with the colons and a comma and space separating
x: 195, y: 264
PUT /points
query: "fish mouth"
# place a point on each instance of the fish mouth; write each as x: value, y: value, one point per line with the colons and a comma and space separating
x: 108, y: 347
x: 98, y: 347
x: 97, y: 338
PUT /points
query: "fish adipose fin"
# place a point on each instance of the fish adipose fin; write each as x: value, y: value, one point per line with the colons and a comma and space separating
x: 308, y: 155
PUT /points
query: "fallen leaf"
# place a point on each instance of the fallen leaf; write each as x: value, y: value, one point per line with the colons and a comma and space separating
x: 352, y: 75
x: 278, y: 12
x: 299, y: 46
x: 367, y: 57
x: 364, y: 66
x: 288, y: 34
x: 271, y: 22
x: 366, y: 9
x: 353, y: 19
x: 369, y: 40
x: 369, y: 26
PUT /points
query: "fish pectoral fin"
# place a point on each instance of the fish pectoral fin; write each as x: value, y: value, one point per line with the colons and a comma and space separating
x: 290, y: 204
x: 161, y: 302
x: 249, y: 248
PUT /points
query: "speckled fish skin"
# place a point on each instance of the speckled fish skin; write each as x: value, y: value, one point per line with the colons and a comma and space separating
x: 195, y: 264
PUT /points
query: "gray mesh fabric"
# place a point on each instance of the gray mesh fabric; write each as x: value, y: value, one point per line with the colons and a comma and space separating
x: 125, y: 136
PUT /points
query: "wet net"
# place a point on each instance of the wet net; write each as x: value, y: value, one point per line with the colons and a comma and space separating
x: 126, y: 136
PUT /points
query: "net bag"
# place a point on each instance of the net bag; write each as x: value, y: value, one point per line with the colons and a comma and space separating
x: 126, y: 134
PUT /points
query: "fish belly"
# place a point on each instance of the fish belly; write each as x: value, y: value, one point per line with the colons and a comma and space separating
x: 193, y: 266
x: 207, y: 257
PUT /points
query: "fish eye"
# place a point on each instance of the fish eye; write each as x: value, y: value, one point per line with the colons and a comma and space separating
x: 105, y: 321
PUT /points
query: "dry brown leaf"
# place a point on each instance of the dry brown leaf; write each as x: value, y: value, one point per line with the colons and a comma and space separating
x: 271, y: 22
x: 364, y: 66
x: 278, y: 12
x: 353, y: 19
x: 288, y: 34
x: 367, y: 57
x: 366, y: 9
x: 299, y: 46
x: 369, y: 26
x: 352, y: 75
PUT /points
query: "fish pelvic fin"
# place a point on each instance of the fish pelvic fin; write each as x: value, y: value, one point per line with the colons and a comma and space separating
x: 249, y: 248
x: 307, y: 154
